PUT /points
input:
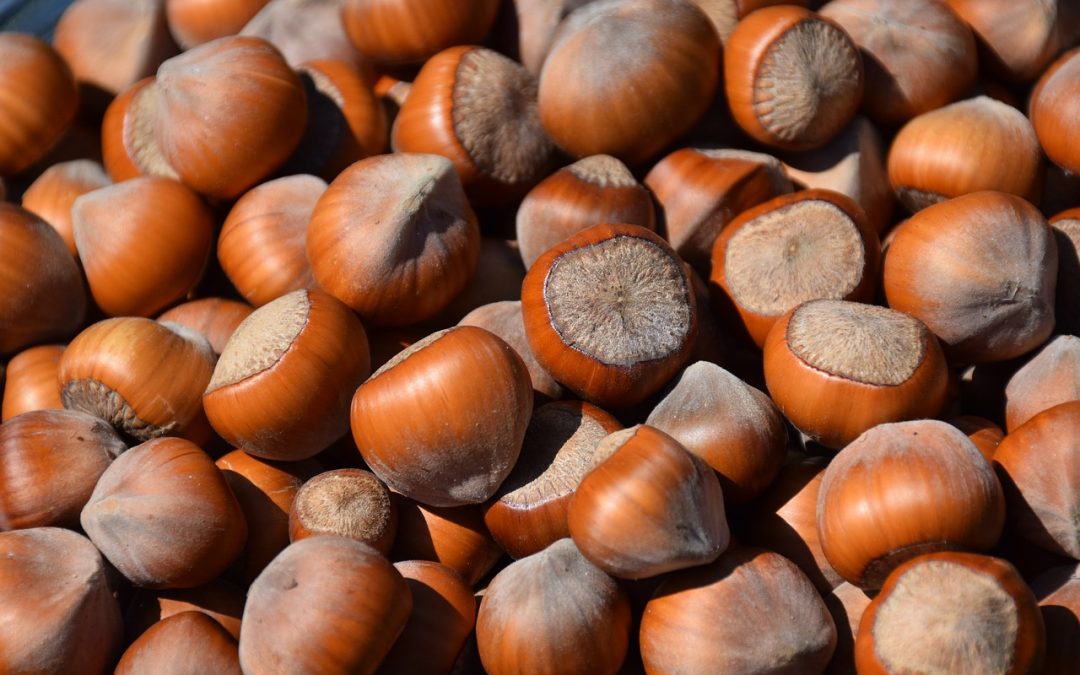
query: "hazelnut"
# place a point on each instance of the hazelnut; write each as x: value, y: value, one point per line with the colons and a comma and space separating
x: 41, y: 290
x: 442, y: 620
x: 38, y: 100
x: 702, y: 190
x: 216, y: 318
x: 976, y: 144
x: 350, y: 503
x: 1053, y: 103
x: 946, y: 267
x: 436, y: 430
x: 52, y: 459
x: 164, y: 516
x: 1039, y: 466
x: 262, y: 246
x: 647, y: 507
x: 804, y: 246
x: 325, y: 604
x: 366, y: 239
x: 32, y: 382
x: 596, y: 189
x: 143, y: 377
x: 529, y: 511
x: 478, y: 109
x: 952, y: 612
x: 455, y: 537
x: 618, y: 338
x: 143, y: 242
x: 60, y: 614
x: 750, y: 611
x: 919, y: 55
x: 735, y: 428
x: 553, y: 612
x: 265, y: 490
x: 836, y: 369
x: 185, y: 642
x: 626, y: 78
x: 237, y: 88
x: 282, y: 386
x: 53, y: 193
x: 1051, y: 377
x: 901, y: 490
x: 401, y: 32
x: 793, y: 78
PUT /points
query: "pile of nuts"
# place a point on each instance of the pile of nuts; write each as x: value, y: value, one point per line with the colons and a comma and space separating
x: 541, y: 336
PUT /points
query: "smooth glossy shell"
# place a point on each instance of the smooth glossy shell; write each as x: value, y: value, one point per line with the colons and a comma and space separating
x: 282, y: 386
x: 554, y: 602
x: 1055, y: 112
x: 185, y: 642
x: 262, y: 245
x: 50, y: 461
x: 975, y: 144
x: 143, y: 243
x: 918, y: 54
x: 394, y: 238
x: 900, y: 490
x: 405, y: 31
x: 143, y: 377
x: 1039, y: 466
x: 628, y: 78
x: 979, y: 271
x: 751, y: 611
x: 38, y: 100
x: 443, y: 422
x: 647, y: 507
x: 164, y: 516
x: 237, y: 88
x: 60, y: 615
x: 41, y: 289
x: 596, y: 189
x: 325, y: 605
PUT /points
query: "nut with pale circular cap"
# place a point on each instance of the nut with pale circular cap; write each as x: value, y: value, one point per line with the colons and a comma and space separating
x: 794, y: 79
x: 478, y: 109
x: 837, y: 368
x: 619, y: 336
x: 282, y: 386
x: 955, y: 613
x: 794, y: 248
x: 349, y: 503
